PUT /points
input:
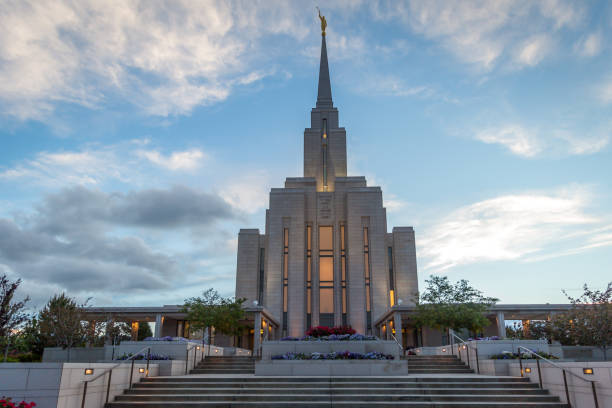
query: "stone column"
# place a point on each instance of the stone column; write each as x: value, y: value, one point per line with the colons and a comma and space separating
x: 134, y: 331
x: 159, y: 324
x: 397, y: 324
x: 257, y: 333
x: 501, y: 325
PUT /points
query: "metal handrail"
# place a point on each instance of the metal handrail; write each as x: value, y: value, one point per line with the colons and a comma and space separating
x: 564, y: 370
x: 467, y: 349
x: 110, y: 375
x: 194, y: 357
x: 398, y: 343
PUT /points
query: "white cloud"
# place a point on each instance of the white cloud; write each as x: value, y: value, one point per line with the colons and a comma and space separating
x: 482, y: 32
x: 531, y: 142
x: 510, y: 227
x: 187, y: 160
x: 248, y: 193
x: 533, y: 50
x: 165, y: 58
x: 87, y: 167
x: 590, y: 45
x: 518, y: 140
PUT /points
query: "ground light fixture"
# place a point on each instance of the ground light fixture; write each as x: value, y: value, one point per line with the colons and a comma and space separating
x: 444, y: 350
x: 89, y: 371
x: 587, y: 370
x: 527, y: 370
x: 141, y: 370
x: 198, y: 348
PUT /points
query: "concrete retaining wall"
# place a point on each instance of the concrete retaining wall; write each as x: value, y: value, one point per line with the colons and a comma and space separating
x: 273, y: 348
x: 581, y: 394
x: 77, y: 355
x: 331, y: 367
x: 60, y: 385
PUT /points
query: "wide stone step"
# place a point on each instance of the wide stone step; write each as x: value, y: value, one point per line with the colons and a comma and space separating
x: 328, y: 396
x: 338, y: 391
x: 222, y: 371
x: 348, y: 404
x: 368, y: 380
x: 440, y: 371
x: 381, y: 385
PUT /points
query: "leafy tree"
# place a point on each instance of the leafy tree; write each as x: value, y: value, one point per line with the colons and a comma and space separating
x: 61, y: 322
x: 589, y: 322
x: 29, y: 339
x: 12, y: 313
x: 118, y: 332
x: 213, y: 310
x: 457, y: 306
x: 144, y: 331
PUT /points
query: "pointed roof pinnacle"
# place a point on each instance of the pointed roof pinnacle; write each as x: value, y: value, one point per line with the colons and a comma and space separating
x: 324, y: 97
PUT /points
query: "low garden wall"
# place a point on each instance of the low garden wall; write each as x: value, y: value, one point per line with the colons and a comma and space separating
x: 277, y: 347
x: 176, y: 350
x: 331, y: 367
x: 60, y: 385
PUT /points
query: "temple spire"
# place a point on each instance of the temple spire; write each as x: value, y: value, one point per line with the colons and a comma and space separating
x: 324, y: 97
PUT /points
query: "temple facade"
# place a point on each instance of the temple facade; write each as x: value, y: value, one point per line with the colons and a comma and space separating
x: 326, y: 256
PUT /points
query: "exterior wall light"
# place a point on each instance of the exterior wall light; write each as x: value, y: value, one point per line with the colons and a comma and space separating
x: 216, y: 350
x: 89, y: 371
x: 141, y: 370
x: 198, y: 348
x: 464, y: 346
x: 527, y: 370
x: 588, y: 371
x: 444, y: 350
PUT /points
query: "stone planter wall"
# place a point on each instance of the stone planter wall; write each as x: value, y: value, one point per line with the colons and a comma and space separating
x: 331, y: 367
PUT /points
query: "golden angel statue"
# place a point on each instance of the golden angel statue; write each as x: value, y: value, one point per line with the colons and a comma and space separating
x: 323, y: 22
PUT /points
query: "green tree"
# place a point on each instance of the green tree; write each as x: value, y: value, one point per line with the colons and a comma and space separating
x: 12, y: 314
x: 589, y: 322
x: 213, y: 310
x: 444, y: 305
x: 144, y: 331
x: 61, y: 323
x: 30, y: 341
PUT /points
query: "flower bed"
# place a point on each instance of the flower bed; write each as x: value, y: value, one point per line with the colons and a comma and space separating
x: 6, y: 403
x: 506, y: 355
x: 332, y: 337
x: 143, y: 356
x: 343, y: 355
x: 167, y: 338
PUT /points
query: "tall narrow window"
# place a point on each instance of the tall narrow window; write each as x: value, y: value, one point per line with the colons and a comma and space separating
x: 324, y: 144
x: 285, y: 277
x: 308, y: 276
x: 366, y: 263
x: 326, y: 276
x: 391, y: 277
x: 262, y: 257
x: 343, y: 274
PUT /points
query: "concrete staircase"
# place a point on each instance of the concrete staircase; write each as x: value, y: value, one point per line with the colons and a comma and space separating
x: 427, y: 391
x: 436, y: 365
x: 225, y: 365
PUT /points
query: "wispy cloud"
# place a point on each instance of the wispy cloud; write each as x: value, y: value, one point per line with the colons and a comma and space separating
x: 604, y: 90
x: 530, y: 143
x: 511, y: 227
x: 590, y: 45
x: 483, y: 33
x: 187, y: 160
x: 515, y: 138
x: 164, y: 58
x: 248, y: 193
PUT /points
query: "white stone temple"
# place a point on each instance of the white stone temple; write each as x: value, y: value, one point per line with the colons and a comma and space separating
x: 326, y: 256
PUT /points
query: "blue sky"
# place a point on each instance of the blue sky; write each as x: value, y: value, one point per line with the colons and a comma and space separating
x: 138, y: 137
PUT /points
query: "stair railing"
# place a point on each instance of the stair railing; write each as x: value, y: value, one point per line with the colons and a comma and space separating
x: 466, y: 346
x: 564, y: 370
x: 398, y: 345
x: 110, y: 374
x: 193, y: 346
